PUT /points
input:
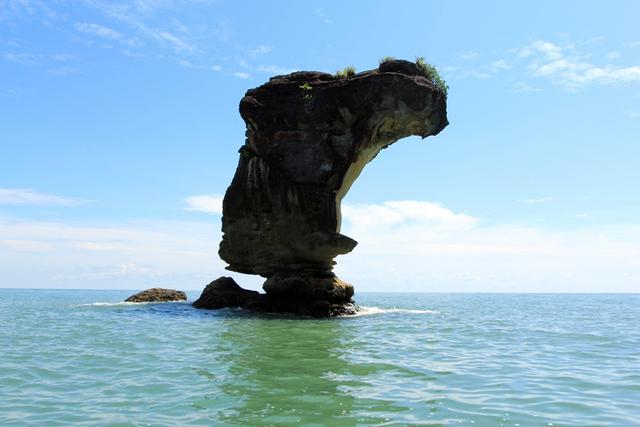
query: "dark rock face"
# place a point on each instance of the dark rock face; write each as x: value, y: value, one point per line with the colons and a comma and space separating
x: 309, y: 135
x: 225, y: 292
x: 158, y: 295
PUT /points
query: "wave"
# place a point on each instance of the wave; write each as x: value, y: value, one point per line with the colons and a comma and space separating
x: 366, y: 311
x: 122, y: 303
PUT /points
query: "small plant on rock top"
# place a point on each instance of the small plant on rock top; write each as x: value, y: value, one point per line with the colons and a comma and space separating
x: 349, y: 71
x: 431, y: 73
x: 386, y: 59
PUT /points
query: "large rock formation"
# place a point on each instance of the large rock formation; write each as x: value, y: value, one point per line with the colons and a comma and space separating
x: 309, y: 135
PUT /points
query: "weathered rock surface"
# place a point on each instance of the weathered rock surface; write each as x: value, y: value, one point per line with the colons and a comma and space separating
x: 225, y: 292
x: 158, y: 295
x: 309, y: 135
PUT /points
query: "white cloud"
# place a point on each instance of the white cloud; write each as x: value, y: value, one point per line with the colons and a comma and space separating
x: 242, y: 76
x: 20, y: 58
x: 524, y: 87
x: 135, y: 17
x: 498, y: 65
x: 430, y: 248
x: 260, y: 50
x: 216, y: 68
x: 63, y: 71
x: 394, y: 213
x: 105, y: 33
x: 28, y: 196
x: 274, y: 69
x: 207, y: 204
x: 632, y: 113
x: 172, y: 40
x: 633, y: 44
x: 465, y: 56
x: 403, y: 246
x: 139, y: 254
x: 572, y: 71
x: 613, y: 55
x: 563, y: 64
x: 538, y: 200
x: 99, y: 30
x: 61, y: 57
x: 320, y: 13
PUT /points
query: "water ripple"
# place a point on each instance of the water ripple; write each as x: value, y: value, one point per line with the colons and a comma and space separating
x: 84, y: 358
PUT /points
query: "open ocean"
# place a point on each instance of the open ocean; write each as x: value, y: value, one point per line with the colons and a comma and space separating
x: 71, y: 357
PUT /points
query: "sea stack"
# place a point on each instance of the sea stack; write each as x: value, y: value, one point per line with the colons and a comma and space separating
x: 308, y: 137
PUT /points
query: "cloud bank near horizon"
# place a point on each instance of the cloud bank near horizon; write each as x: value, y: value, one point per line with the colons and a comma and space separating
x: 404, y: 245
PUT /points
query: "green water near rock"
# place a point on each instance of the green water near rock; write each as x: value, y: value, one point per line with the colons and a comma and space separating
x: 80, y: 358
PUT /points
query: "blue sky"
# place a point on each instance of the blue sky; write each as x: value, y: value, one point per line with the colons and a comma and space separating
x: 119, y: 131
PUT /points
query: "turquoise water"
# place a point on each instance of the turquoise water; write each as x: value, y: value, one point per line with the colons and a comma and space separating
x: 436, y: 359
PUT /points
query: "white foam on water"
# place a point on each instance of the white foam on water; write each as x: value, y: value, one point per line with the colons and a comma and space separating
x: 123, y: 303
x: 366, y: 311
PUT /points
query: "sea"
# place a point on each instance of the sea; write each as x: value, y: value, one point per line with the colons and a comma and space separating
x: 78, y: 357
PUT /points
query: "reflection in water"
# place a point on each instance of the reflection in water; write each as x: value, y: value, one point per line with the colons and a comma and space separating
x: 287, y: 371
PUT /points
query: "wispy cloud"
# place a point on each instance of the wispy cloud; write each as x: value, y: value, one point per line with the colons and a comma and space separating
x: 320, y: 13
x: 51, y: 61
x: 62, y: 57
x: 99, y: 30
x: 28, y: 196
x: 260, y: 50
x: 207, y: 204
x: 23, y: 58
x: 275, y: 69
x: 393, y: 213
x: 634, y: 114
x: 524, y: 87
x: 499, y: 64
x: 565, y: 65
x: 415, y: 245
x: 139, y: 254
x: 106, y: 33
x: 141, y: 28
x: 133, y: 17
x: 538, y: 200
x: 613, y: 55
x: 63, y: 71
x: 465, y: 56
x: 570, y: 70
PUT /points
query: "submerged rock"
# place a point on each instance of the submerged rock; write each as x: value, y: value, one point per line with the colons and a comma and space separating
x: 158, y: 295
x: 309, y: 135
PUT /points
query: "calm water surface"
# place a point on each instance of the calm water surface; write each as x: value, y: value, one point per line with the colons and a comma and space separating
x: 74, y: 357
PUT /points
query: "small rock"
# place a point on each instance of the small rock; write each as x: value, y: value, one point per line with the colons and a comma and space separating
x: 158, y: 295
x: 225, y: 292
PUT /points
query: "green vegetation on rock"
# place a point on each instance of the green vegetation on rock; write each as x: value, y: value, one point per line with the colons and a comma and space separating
x: 306, y: 93
x: 431, y: 73
x: 346, y: 72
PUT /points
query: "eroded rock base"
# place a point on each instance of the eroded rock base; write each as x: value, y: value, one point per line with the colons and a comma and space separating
x: 332, y: 298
